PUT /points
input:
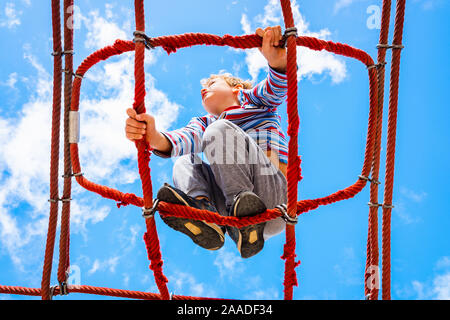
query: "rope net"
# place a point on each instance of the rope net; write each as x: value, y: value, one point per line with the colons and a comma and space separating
x: 171, y: 44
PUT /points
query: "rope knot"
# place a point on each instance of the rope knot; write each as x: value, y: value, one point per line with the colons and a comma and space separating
x: 299, y: 162
x: 127, y: 199
x: 288, y: 251
x: 290, y: 275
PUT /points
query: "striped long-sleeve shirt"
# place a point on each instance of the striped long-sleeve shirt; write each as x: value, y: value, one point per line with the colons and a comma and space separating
x: 257, y: 116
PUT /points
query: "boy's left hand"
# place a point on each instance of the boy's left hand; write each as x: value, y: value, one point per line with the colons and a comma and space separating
x: 276, y: 56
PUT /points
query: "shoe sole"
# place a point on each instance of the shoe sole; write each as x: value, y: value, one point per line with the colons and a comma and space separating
x: 207, y: 235
x: 251, y: 238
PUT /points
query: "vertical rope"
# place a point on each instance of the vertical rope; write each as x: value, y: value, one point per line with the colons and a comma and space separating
x: 371, y: 289
x: 390, y: 149
x: 64, y: 240
x: 151, y: 237
x: 293, y: 168
x: 293, y: 174
x: 54, y: 156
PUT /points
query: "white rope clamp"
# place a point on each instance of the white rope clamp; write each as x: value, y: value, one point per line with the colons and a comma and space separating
x: 62, y: 53
x: 74, y: 127
x: 390, y: 46
x: 59, y: 199
x: 72, y: 175
x: 378, y: 65
x: 76, y: 75
x: 63, y: 285
x: 140, y: 36
x: 385, y: 206
x: 150, y: 213
x: 63, y: 289
x: 52, y: 292
x: 285, y: 216
x: 287, y: 33
x: 373, y: 205
x: 361, y: 177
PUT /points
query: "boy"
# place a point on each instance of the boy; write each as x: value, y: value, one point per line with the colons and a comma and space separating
x: 243, y: 142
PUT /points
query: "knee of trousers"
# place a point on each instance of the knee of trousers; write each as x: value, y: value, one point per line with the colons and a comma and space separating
x: 218, y: 132
x: 180, y: 166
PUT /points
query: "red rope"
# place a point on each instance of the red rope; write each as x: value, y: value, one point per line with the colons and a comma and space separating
x: 151, y: 237
x: 390, y: 149
x: 97, y: 291
x: 64, y: 243
x: 293, y: 167
x: 54, y: 159
x: 371, y: 290
x: 121, y: 46
x: 171, y: 44
x: 294, y: 174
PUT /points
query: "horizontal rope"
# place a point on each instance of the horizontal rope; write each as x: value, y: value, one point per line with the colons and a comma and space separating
x: 170, y: 44
x: 14, y: 290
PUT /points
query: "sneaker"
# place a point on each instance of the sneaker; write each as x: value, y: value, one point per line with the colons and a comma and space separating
x: 249, y: 239
x: 207, y: 235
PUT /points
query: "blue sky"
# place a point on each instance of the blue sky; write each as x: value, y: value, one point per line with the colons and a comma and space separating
x: 106, y: 243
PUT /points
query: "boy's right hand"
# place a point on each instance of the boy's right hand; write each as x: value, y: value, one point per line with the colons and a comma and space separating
x: 140, y: 126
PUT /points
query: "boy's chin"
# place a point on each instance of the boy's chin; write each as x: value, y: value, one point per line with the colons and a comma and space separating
x: 212, y: 111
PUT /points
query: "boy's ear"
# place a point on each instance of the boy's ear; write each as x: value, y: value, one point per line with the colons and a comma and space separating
x: 237, y: 88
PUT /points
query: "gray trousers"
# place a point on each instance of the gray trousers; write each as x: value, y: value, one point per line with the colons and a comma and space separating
x: 236, y: 163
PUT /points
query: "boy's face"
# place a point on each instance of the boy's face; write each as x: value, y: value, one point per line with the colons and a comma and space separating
x: 218, y: 96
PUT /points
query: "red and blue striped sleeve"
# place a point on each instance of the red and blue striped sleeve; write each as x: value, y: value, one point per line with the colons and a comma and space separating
x: 186, y: 140
x: 270, y: 92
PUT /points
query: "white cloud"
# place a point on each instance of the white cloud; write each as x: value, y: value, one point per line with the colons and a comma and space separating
x: 341, y: 4
x: 256, y: 291
x: 310, y: 62
x: 108, y: 264
x: 95, y: 267
x: 10, y: 17
x: 266, y: 294
x: 443, y: 263
x: 233, y: 3
x: 11, y: 81
x: 429, y: 4
x: 413, y: 195
x: 126, y: 280
x: 441, y: 287
x: 25, y: 141
x: 27, y: 168
x: 403, y: 211
x: 435, y: 288
x: 127, y: 237
x: 101, y: 32
x: 348, y: 268
x: 405, y: 203
x: 188, y: 284
x: 229, y: 264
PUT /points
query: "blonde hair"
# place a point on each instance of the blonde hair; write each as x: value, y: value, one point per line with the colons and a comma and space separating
x: 231, y: 80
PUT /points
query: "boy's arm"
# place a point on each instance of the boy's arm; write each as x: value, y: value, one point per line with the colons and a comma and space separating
x: 271, y: 92
x: 184, y: 140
